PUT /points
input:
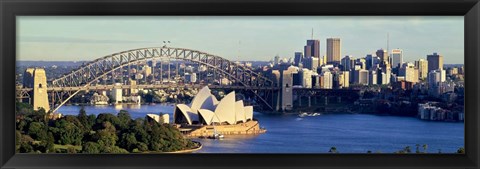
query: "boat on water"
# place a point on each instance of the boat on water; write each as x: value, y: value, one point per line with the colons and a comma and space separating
x: 309, y: 114
x: 216, y: 135
x: 303, y: 114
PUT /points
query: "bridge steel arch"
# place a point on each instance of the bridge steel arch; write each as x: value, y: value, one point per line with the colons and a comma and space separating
x: 91, y: 72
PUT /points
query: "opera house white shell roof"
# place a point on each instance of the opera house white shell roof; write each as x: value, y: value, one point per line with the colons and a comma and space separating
x: 206, y: 109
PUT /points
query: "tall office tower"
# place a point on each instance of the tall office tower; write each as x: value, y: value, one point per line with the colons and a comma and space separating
x: 306, y: 78
x: 369, y: 61
x: 397, y: 58
x: 409, y: 72
x: 435, y: 62
x: 361, y: 62
x: 324, y: 60
x: 298, y: 58
x: 434, y: 77
x: 312, y: 49
x: 361, y: 77
x: 327, y: 80
x: 347, y: 63
x: 346, y: 79
x: 333, y: 50
x: 276, y: 60
x: 372, y: 79
x: 422, y: 66
x: 311, y: 63
x: 383, y: 55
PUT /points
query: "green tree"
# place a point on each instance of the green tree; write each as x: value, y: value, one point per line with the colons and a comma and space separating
x: 333, y: 150
x: 106, y: 117
x: 50, y: 142
x: 91, y: 147
x: 114, y: 149
x: 124, y: 119
x: 408, y: 149
x: 26, y: 144
x: 461, y: 150
x: 142, y: 146
x: 71, y: 150
x: 68, y: 133
x: 425, y: 147
x: 18, y: 140
x: 128, y: 141
x: 84, y: 119
x: 107, y: 136
x: 37, y: 131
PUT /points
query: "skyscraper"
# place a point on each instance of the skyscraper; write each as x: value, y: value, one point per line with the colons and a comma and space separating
x: 409, y: 72
x: 312, y: 49
x: 435, y: 62
x: 369, y: 61
x: 383, y: 55
x: 397, y: 58
x: 422, y: 66
x: 333, y: 50
x: 347, y: 63
x: 311, y: 63
x: 276, y: 60
x: 298, y: 58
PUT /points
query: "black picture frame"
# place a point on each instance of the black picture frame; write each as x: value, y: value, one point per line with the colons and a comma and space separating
x: 9, y: 9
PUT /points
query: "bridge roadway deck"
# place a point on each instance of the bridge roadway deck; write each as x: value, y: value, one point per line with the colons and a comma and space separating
x: 159, y: 86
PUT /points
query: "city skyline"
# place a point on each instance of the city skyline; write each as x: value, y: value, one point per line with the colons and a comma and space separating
x: 238, y: 38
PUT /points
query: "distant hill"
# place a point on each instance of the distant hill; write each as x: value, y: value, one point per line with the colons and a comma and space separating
x: 48, y: 63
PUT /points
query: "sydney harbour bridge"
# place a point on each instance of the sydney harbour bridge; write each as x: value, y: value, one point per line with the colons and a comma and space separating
x: 107, y: 72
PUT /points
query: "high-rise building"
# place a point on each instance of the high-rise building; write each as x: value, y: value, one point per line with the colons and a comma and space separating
x: 422, y: 66
x: 306, y: 77
x: 347, y: 63
x: 323, y: 60
x: 397, y: 58
x: 409, y: 72
x: 372, y: 79
x: 383, y: 55
x: 298, y: 58
x: 369, y: 61
x: 276, y: 60
x: 345, y: 81
x: 435, y: 77
x: 361, y: 62
x: 312, y: 49
x: 117, y: 94
x: 361, y: 77
x: 435, y: 61
x: 327, y: 78
x: 333, y: 50
x: 311, y: 63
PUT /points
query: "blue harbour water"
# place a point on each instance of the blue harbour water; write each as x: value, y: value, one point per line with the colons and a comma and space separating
x: 349, y: 133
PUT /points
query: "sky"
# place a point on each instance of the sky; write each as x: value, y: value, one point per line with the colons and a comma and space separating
x: 243, y: 38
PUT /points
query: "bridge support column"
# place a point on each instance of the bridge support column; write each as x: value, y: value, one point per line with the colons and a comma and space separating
x: 309, y: 101
x: 299, y: 101
x: 326, y: 100
x: 36, y: 78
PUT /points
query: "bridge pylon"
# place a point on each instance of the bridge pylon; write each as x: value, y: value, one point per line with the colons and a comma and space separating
x: 36, y: 78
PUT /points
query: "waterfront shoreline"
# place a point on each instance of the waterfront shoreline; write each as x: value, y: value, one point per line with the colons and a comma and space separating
x: 189, y: 150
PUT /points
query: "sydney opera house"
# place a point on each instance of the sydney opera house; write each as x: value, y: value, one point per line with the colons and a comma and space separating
x: 228, y: 116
